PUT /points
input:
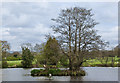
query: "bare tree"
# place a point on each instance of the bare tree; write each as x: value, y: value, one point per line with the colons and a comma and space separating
x: 103, y: 57
x: 38, y: 48
x: 27, y: 45
x: 5, y: 46
x: 77, y: 35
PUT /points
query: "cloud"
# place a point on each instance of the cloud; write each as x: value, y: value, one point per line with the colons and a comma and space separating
x: 23, y: 15
x: 6, y: 34
x: 29, y: 22
x: 17, y: 36
x: 40, y: 28
x: 17, y: 21
x: 110, y: 35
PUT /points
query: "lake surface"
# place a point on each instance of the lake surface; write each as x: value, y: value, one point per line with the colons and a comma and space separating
x: 93, y: 74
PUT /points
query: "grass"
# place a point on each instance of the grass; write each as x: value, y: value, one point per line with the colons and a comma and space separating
x: 13, y: 63
x: 91, y: 62
x: 95, y: 62
x: 18, y: 63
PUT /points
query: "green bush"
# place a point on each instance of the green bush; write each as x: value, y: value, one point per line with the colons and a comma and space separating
x: 54, y: 71
x: 35, y: 71
x: 41, y: 70
x: 64, y: 61
x: 4, y: 64
x: 57, y: 72
x: 45, y: 73
x: 10, y: 58
x: 82, y: 73
x: 19, y: 66
x: 27, y: 58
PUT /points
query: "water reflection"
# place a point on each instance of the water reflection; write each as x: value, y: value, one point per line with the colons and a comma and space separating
x: 93, y: 74
x: 76, y: 78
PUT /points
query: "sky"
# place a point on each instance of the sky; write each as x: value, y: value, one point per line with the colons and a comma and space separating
x: 29, y: 22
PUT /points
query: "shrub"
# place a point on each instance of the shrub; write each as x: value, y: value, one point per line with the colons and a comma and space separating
x: 45, y: 73
x: 54, y: 71
x: 81, y: 73
x: 4, y: 64
x: 41, y: 70
x: 15, y: 55
x: 19, y: 66
x: 27, y: 58
x: 57, y: 72
x: 35, y: 71
x: 10, y: 58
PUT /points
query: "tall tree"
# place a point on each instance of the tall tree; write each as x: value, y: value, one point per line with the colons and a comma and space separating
x: 76, y: 28
x: 5, y: 47
x: 51, y: 51
x: 39, y: 58
x: 38, y: 48
x: 27, y: 45
x: 27, y: 58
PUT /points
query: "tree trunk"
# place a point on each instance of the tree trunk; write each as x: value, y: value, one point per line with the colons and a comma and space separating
x: 75, y: 50
x: 70, y: 65
x: 79, y: 39
x: 69, y: 37
x: 70, y: 61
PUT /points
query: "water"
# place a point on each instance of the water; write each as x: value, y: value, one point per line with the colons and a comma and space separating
x: 93, y: 74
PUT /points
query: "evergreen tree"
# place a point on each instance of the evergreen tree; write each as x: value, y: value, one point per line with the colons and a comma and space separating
x: 27, y: 58
x: 51, y: 51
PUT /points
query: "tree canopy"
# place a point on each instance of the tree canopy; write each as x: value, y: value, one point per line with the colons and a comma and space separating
x: 51, y: 51
x: 27, y: 58
x: 77, y: 34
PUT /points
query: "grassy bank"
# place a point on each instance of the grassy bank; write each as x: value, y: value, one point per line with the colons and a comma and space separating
x: 96, y: 62
x: 17, y: 63
x: 91, y: 62
x: 14, y: 63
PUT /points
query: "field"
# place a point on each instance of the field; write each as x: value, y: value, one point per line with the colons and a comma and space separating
x: 96, y: 62
x: 91, y: 62
x: 14, y: 63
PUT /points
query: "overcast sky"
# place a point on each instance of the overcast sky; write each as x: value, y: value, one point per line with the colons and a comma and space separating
x: 29, y: 22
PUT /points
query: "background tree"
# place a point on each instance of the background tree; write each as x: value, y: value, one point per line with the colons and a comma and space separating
x: 51, y: 51
x: 15, y: 54
x: 117, y: 50
x: 103, y: 57
x: 64, y: 61
x: 27, y: 58
x: 39, y: 58
x: 27, y: 45
x: 114, y: 55
x: 38, y: 48
x: 77, y: 34
x: 5, y: 47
